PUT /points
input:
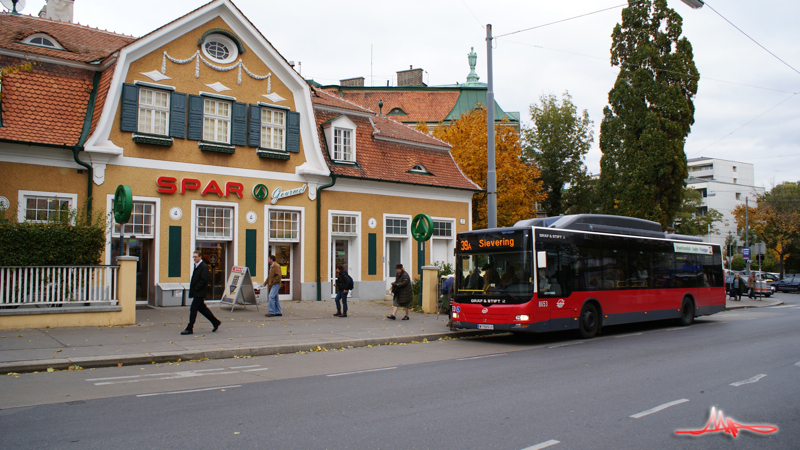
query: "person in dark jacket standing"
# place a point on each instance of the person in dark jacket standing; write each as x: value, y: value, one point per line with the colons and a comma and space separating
x: 273, y: 282
x: 342, y: 288
x: 401, y: 288
x: 736, y: 288
x: 198, y: 289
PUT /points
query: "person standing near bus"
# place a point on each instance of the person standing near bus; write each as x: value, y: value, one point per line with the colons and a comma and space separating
x: 343, y: 286
x: 751, y: 285
x: 736, y: 288
x: 401, y: 288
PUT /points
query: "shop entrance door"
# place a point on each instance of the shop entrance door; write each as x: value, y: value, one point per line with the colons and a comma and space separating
x: 142, y: 249
x: 395, y: 257
x: 215, y: 254
x: 283, y: 255
x: 340, y: 254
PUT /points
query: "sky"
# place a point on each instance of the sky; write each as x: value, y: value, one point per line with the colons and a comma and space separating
x: 747, y: 107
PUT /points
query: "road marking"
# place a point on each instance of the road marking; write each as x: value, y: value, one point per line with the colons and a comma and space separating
x: 659, y: 408
x: 360, y: 371
x: 783, y: 306
x: 255, y: 370
x: 676, y: 329
x: 542, y: 445
x: 170, y: 375
x: 797, y: 364
x: 482, y: 356
x: 565, y: 345
x: 245, y: 367
x: 626, y: 335
x: 749, y: 380
x: 188, y: 391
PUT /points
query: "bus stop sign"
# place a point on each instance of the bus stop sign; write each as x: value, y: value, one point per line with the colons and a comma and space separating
x: 422, y: 227
x: 123, y: 204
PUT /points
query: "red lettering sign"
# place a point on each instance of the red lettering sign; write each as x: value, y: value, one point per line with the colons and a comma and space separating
x: 166, y: 185
x: 189, y: 184
x: 213, y: 187
x: 234, y: 188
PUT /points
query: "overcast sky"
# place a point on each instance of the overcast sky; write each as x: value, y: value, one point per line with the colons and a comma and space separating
x: 739, y: 114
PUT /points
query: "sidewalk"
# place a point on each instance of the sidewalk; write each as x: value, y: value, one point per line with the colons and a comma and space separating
x: 244, y: 332
x: 759, y: 302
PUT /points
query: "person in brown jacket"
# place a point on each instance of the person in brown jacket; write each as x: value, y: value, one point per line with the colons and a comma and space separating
x: 273, y: 283
x: 751, y: 285
x: 401, y: 288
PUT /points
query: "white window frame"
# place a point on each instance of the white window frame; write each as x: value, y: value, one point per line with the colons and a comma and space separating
x: 343, y: 145
x: 196, y: 224
x: 216, y: 119
x: 295, y: 219
x: 129, y: 226
x: 385, y: 226
x: 233, y: 49
x: 156, y: 238
x: 300, y: 253
x: 29, y: 41
x: 271, y: 127
x: 193, y: 230
x: 151, y: 110
x: 406, y: 255
x: 354, y: 265
x: 350, y: 215
x: 340, y: 124
x: 451, y: 239
x: 22, y: 203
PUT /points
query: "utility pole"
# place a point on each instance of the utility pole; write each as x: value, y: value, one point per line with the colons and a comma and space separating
x: 491, y: 177
x: 747, y: 230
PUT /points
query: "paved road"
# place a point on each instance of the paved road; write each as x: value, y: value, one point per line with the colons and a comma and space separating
x: 632, y: 387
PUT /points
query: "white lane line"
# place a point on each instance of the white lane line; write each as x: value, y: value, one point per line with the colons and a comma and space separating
x: 542, y: 445
x: 482, y: 356
x: 659, y: 408
x: 159, y: 376
x: 189, y: 391
x: 244, y: 367
x: 749, y: 380
x: 255, y: 370
x: 113, y: 378
x: 565, y: 345
x: 783, y: 306
x: 360, y: 371
x: 797, y: 364
x: 626, y: 335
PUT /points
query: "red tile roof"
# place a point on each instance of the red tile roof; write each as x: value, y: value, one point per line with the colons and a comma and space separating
x: 391, y: 161
x: 82, y: 43
x: 428, y: 105
x: 46, y: 105
x: 102, y: 94
x: 325, y: 98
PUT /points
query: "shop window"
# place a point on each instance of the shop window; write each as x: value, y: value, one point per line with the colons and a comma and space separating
x: 397, y: 227
x: 140, y: 223
x: 153, y: 111
x: 343, y: 224
x: 216, y: 121
x: 273, y: 129
x: 42, y: 40
x: 342, y: 145
x: 283, y: 225
x: 442, y: 229
x: 214, y: 223
x: 47, y: 208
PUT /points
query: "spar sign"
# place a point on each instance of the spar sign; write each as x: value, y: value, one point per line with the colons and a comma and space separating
x: 171, y: 185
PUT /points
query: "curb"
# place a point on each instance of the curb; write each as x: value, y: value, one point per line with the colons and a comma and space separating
x: 90, y: 362
x: 732, y: 308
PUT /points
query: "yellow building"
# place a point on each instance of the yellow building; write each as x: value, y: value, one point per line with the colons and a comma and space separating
x: 226, y: 148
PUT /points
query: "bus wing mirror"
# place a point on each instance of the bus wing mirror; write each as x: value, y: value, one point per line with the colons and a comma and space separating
x: 541, y: 260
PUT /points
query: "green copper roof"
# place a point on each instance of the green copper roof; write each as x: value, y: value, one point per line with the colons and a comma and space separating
x: 469, y: 100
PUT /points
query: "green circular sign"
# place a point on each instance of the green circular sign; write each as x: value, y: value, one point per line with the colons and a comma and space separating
x: 422, y: 227
x: 260, y: 192
x: 123, y: 204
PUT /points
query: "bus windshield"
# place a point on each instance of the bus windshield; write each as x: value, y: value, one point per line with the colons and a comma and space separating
x: 495, y: 264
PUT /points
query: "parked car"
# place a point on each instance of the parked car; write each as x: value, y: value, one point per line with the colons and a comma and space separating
x: 789, y: 283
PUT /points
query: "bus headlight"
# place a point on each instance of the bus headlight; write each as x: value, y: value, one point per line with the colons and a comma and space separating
x: 523, y: 318
x: 455, y: 315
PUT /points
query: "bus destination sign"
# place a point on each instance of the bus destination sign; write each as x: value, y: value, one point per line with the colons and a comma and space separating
x: 482, y: 242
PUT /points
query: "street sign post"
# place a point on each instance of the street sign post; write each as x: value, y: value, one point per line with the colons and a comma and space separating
x: 746, y: 253
x: 421, y: 231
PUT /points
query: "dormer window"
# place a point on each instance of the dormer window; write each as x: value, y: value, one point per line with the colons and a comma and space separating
x: 42, y: 40
x: 340, y: 134
x: 220, y: 49
x: 419, y: 169
x: 397, y: 112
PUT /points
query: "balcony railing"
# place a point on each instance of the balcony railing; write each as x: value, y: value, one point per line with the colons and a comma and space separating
x: 58, y: 285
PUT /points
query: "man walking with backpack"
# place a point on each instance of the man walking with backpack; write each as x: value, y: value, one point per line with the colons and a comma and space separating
x: 344, y: 284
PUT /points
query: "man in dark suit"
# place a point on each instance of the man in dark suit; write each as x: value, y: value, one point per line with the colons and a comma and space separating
x: 198, y: 288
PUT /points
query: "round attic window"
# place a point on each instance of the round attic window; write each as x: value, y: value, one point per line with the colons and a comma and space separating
x: 220, y: 49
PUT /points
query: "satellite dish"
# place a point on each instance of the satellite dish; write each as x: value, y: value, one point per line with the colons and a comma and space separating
x: 15, y: 6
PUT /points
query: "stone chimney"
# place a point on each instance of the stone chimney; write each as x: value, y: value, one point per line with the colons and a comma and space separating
x: 58, y: 10
x: 410, y: 77
x: 352, y: 82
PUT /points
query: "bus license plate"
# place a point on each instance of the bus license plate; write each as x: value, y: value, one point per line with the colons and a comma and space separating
x: 485, y: 326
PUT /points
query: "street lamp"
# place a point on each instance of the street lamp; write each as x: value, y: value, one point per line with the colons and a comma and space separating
x: 491, y: 176
x: 696, y: 4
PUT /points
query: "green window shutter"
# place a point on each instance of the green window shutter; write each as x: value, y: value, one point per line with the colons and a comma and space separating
x: 130, y: 108
x: 250, y: 251
x: 239, y: 125
x: 174, y: 262
x: 372, y: 254
x: 293, y: 131
x: 177, y: 115
x: 195, y: 118
x: 254, y: 137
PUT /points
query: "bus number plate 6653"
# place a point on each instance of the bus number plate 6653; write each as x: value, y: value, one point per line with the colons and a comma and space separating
x: 542, y: 303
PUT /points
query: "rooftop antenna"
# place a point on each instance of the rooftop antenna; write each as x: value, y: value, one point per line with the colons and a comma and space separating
x: 14, y: 5
x: 371, y: 79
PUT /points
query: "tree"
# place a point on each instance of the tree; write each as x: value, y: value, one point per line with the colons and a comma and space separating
x: 558, y: 142
x: 582, y: 197
x: 691, y: 221
x: 518, y: 192
x: 775, y: 220
x: 650, y: 113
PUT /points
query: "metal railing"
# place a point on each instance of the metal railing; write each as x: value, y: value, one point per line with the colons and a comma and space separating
x: 58, y: 285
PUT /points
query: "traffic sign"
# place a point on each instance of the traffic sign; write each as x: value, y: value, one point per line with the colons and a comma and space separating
x: 746, y: 253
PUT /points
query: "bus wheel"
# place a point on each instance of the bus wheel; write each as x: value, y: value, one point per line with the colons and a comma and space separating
x: 589, y: 322
x: 687, y: 312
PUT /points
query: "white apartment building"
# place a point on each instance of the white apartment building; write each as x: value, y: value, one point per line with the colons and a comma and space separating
x: 724, y: 185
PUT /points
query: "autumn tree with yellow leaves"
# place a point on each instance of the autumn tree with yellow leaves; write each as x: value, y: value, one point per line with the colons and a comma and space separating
x: 518, y: 192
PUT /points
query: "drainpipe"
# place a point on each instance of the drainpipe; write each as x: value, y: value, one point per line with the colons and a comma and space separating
x: 87, y: 125
x: 75, y: 151
x: 319, y: 232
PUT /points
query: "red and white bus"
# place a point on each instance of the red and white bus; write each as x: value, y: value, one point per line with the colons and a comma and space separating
x: 583, y: 272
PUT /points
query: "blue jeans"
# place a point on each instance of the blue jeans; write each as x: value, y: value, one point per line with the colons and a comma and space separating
x: 274, y: 305
x: 341, y: 295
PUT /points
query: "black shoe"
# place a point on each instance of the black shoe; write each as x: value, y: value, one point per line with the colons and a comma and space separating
x: 391, y: 317
x: 343, y: 315
x: 277, y: 315
x: 338, y: 313
x: 405, y: 318
x: 216, y: 326
x: 187, y: 331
